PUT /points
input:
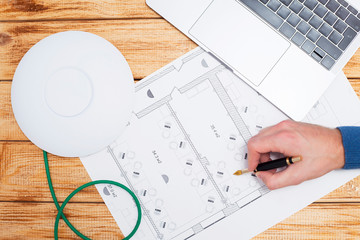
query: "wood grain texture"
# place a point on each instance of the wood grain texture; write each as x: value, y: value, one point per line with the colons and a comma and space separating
x: 23, y: 177
x: 147, y: 44
x: 19, y: 220
x: 355, y: 83
x: 352, y: 68
x: 9, y: 129
x: 36, y: 221
x: 151, y: 44
x: 25, y: 10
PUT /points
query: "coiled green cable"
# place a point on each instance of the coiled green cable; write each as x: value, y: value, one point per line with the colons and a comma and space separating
x: 60, y: 209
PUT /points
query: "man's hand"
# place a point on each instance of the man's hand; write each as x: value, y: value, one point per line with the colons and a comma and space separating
x: 321, y: 150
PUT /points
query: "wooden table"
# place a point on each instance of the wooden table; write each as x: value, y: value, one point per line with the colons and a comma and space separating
x: 148, y: 42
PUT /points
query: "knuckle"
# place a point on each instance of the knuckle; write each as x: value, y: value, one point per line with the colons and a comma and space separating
x: 270, y: 185
x: 286, y: 124
x: 287, y: 135
x: 251, y: 143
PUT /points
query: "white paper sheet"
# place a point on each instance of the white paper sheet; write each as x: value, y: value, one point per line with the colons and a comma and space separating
x: 187, y: 136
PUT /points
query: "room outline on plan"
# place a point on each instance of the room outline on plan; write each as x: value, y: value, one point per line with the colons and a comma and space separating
x: 219, y: 181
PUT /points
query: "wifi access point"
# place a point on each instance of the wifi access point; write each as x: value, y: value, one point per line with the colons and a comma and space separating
x: 72, y: 94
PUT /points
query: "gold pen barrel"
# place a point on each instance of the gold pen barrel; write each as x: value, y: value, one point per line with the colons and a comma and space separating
x: 296, y: 159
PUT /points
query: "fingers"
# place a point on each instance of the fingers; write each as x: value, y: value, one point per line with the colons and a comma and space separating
x: 262, y: 158
x: 265, y: 157
x: 282, y: 142
x: 281, y: 179
x: 291, y: 139
x: 282, y: 138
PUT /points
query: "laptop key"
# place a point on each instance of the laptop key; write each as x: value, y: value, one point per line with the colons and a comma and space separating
x: 335, y: 37
x: 283, y: 12
x: 325, y: 29
x: 303, y: 27
x: 298, y: 39
x: 286, y: 2
x: 306, y: 14
x: 308, y: 47
x: 349, y: 36
x: 263, y: 12
x: 353, y: 22
x: 315, y: 22
x: 264, y: 1
x: 340, y: 26
x: 274, y: 5
x: 342, y: 13
x: 296, y: 6
x: 332, y: 5
x: 323, y: 1
x: 315, y: 56
x: 343, y: 2
x: 311, y: 4
x: 320, y: 10
x: 319, y: 52
x: 287, y: 30
x: 330, y: 18
x: 313, y: 35
x: 353, y: 10
x: 328, y: 62
x: 329, y: 48
x: 293, y: 20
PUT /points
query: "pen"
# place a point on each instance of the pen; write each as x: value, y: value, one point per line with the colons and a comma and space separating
x: 282, y: 162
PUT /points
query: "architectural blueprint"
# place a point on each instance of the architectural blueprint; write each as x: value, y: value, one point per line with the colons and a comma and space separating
x: 187, y: 136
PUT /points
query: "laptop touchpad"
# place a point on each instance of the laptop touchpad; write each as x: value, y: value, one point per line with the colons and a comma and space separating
x: 240, y: 39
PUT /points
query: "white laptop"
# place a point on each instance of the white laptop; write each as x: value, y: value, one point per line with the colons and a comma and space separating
x: 287, y: 50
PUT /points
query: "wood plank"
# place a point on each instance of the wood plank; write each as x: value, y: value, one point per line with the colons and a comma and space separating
x: 9, y: 129
x: 352, y: 68
x: 35, y: 221
x: 146, y: 44
x: 11, y: 10
x: 23, y: 178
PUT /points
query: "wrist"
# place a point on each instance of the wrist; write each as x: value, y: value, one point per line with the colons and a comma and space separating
x: 339, y: 153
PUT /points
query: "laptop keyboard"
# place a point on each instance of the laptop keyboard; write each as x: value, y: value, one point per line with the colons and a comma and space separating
x: 321, y: 28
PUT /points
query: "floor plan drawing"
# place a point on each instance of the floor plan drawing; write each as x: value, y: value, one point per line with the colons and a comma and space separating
x: 187, y: 136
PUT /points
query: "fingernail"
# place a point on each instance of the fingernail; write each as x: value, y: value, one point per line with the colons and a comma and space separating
x: 258, y: 175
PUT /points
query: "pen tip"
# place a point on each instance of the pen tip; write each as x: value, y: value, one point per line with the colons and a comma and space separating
x: 237, y: 173
x: 240, y: 172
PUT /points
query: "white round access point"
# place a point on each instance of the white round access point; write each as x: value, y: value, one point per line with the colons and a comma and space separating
x: 72, y: 93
